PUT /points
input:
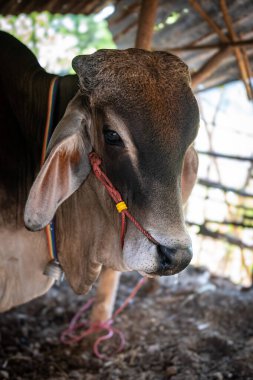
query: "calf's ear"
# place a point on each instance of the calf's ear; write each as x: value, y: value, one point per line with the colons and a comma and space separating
x: 65, y: 169
x: 189, y: 172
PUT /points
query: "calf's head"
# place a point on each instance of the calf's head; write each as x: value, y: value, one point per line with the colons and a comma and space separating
x: 137, y: 111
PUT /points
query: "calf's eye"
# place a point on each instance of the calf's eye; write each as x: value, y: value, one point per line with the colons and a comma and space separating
x: 112, y: 138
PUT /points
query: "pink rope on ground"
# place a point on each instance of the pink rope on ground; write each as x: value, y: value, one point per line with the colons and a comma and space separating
x: 71, y: 335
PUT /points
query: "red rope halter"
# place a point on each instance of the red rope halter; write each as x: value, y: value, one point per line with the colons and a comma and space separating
x: 121, y: 206
x: 71, y: 335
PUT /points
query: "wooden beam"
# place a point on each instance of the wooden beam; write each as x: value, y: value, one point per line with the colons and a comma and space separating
x: 124, y: 14
x: 231, y: 239
x: 225, y: 156
x: 216, y: 185
x: 209, y: 20
x: 248, y: 68
x: 230, y: 222
x: 146, y: 24
x: 231, y: 44
x: 242, y: 63
x: 225, y: 39
x: 209, y: 67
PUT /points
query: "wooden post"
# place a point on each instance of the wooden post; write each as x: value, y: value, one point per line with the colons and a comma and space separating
x: 146, y: 24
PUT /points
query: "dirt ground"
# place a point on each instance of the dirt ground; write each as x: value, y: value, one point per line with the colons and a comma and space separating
x: 198, y: 327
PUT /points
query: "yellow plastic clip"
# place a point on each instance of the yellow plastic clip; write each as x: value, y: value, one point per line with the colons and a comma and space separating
x: 121, y: 206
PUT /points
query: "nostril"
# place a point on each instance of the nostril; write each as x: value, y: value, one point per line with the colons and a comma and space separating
x: 167, y: 250
x: 173, y: 260
x: 166, y: 255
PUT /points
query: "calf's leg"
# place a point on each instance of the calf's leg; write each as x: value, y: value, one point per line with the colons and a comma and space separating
x: 106, y: 294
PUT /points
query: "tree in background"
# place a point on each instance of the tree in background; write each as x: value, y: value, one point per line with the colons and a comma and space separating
x: 56, y: 39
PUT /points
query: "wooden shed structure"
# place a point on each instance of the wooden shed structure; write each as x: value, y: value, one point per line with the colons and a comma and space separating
x: 215, y: 38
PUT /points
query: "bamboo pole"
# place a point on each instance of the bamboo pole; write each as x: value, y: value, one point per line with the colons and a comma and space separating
x: 230, y: 44
x: 240, y: 60
x: 225, y: 156
x: 205, y: 231
x: 209, y: 67
x: 124, y: 14
x: 217, y: 185
x: 248, y: 68
x: 239, y: 56
x: 209, y: 20
x: 229, y: 223
x: 146, y: 24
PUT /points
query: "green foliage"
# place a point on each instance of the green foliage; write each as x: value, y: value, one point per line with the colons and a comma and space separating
x: 171, y: 19
x: 56, y: 39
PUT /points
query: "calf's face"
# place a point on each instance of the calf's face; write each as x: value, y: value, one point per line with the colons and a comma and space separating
x: 137, y: 111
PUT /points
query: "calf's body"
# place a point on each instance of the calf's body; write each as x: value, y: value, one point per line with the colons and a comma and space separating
x: 23, y: 111
x: 136, y: 110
